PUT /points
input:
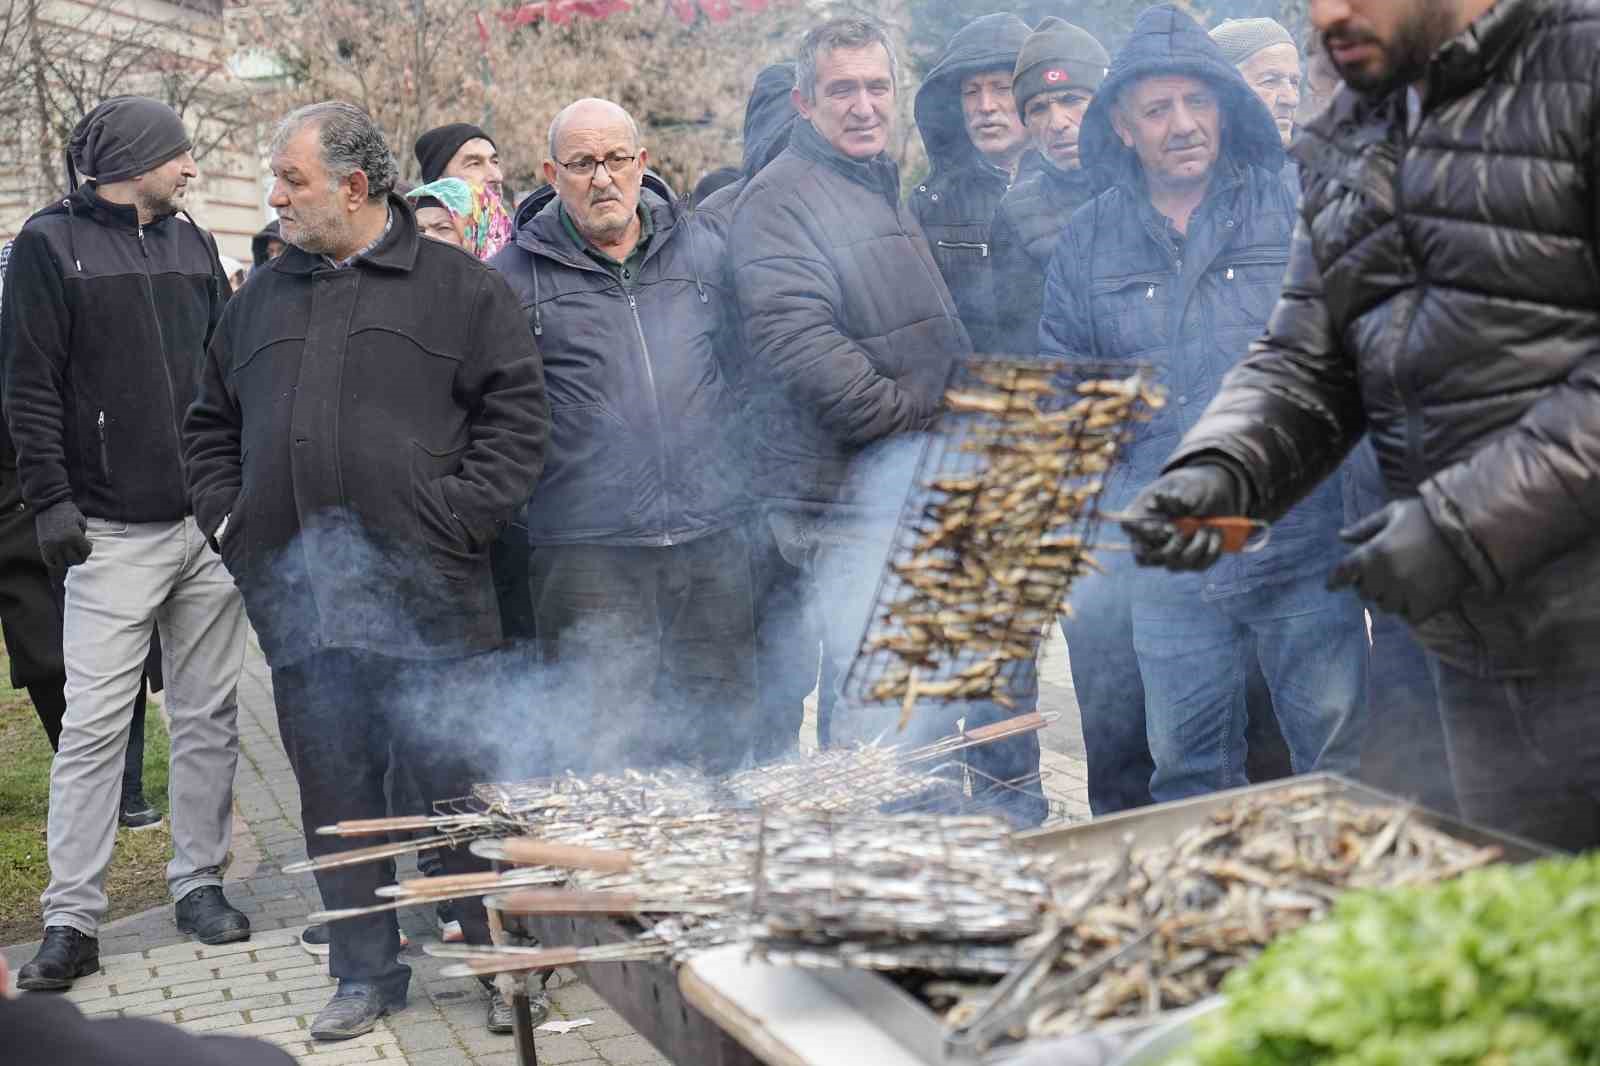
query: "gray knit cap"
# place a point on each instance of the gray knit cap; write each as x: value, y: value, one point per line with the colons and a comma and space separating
x: 1240, y: 39
x: 124, y: 137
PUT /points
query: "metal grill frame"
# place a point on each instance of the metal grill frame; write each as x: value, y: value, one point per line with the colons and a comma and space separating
x: 944, y: 455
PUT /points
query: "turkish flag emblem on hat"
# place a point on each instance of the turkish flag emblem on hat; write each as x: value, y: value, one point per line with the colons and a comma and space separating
x: 1055, y: 76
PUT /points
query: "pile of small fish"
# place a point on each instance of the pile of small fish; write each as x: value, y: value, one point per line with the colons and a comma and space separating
x: 950, y: 894
x: 1155, y: 930
x: 985, y: 561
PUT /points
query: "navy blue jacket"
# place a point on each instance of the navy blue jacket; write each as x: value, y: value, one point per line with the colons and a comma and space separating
x: 641, y: 408
x: 1121, y: 289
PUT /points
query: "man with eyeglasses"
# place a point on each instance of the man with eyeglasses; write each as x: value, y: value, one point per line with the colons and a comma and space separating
x: 641, y: 572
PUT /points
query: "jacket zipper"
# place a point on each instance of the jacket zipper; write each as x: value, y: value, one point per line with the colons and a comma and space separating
x: 105, y: 450
x: 661, y: 442
x: 161, y: 337
x: 974, y: 246
x: 1405, y: 386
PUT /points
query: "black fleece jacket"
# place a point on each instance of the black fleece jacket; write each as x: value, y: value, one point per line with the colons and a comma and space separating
x: 102, y: 332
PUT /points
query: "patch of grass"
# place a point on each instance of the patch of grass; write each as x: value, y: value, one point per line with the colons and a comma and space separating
x: 137, y: 877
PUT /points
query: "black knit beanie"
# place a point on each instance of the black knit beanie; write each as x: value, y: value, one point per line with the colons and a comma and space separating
x: 439, y: 145
x: 124, y: 137
x: 1057, y: 55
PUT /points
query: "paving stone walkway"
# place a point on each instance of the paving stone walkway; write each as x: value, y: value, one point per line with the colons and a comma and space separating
x: 269, y: 987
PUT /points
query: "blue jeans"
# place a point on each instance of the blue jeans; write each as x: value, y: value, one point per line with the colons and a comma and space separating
x: 1110, y: 690
x: 1194, y: 653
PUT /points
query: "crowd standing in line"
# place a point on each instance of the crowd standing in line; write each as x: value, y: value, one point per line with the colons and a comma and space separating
x: 636, y: 460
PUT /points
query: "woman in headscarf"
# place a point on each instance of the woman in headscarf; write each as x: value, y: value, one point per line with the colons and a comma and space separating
x: 476, y: 216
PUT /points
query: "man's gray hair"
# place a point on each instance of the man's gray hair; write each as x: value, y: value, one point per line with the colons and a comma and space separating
x: 349, y: 141
x: 848, y: 33
x: 561, y: 118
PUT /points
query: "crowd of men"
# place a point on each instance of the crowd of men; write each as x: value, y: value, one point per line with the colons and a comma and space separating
x: 608, y: 480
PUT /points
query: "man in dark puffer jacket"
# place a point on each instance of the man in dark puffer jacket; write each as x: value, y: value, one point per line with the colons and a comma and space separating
x: 974, y: 139
x: 1442, y: 292
x: 1058, y: 70
x: 849, y: 326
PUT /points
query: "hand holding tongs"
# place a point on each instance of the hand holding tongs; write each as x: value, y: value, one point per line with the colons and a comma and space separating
x: 1240, y: 535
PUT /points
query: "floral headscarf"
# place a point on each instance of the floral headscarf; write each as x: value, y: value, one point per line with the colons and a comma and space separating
x: 485, y: 224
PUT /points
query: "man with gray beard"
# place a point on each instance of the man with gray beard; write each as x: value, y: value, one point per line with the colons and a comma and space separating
x: 370, y: 415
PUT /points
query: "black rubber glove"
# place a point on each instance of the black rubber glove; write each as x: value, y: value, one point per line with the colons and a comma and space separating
x: 61, y: 531
x: 1403, y: 565
x: 1195, y: 491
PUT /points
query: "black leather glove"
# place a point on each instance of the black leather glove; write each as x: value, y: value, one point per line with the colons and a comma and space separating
x: 62, y: 539
x: 1404, y: 565
x: 1199, y: 490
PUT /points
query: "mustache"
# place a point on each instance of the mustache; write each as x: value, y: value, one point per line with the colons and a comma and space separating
x: 1348, y: 37
x: 1183, y: 144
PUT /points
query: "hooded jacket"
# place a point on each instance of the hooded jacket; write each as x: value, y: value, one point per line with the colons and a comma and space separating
x: 102, y: 332
x: 258, y: 243
x: 368, y: 431
x: 1444, y: 294
x: 1124, y: 288
x: 641, y: 406
x: 1027, y: 226
x: 849, y: 328
x: 956, y: 204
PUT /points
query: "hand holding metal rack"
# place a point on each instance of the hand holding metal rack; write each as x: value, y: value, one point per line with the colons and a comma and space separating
x: 999, y: 522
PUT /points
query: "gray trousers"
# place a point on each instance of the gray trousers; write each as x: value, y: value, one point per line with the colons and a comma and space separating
x: 138, y: 576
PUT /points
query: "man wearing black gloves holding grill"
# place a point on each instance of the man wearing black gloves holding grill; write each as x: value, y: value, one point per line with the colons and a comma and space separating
x: 370, y: 415
x: 1442, y: 293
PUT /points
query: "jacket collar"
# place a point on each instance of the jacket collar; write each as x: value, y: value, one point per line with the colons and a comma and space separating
x: 543, y: 232
x: 397, y: 251
x: 1467, y: 59
x: 880, y: 174
x: 97, y: 208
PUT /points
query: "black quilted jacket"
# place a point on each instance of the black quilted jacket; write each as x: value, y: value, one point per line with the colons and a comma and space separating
x: 1444, y: 291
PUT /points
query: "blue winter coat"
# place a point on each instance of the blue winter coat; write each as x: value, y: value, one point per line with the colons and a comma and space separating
x: 642, y: 410
x: 1123, y: 289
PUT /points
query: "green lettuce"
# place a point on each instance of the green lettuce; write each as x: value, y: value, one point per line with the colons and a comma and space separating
x: 1500, y: 967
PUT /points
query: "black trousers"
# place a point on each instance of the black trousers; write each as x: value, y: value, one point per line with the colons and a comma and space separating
x: 1524, y: 753
x: 649, y: 652
x: 340, y: 712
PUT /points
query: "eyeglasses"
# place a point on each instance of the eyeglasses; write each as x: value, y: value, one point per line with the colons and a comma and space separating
x: 585, y: 166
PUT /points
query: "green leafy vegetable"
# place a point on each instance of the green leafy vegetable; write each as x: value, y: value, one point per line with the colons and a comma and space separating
x: 1498, y: 968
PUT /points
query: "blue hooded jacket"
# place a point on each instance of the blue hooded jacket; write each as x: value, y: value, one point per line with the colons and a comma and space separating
x: 1123, y: 287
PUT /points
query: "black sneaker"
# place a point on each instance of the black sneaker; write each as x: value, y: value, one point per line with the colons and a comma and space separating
x: 206, y: 915
x: 314, y: 938
x: 136, y: 813
x: 355, y: 1009
x: 64, y: 956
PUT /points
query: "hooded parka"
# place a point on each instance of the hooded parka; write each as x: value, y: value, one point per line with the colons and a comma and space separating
x: 955, y: 205
x: 367, y: 431
x: 641, y: 408
x: 1444, y: 294
x: 849, y: 326
x: 1123, y: 288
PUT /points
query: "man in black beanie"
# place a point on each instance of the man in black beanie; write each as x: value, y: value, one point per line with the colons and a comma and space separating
x: 110, y: 302
x: 1058, y: 70
x: 460, y: 150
